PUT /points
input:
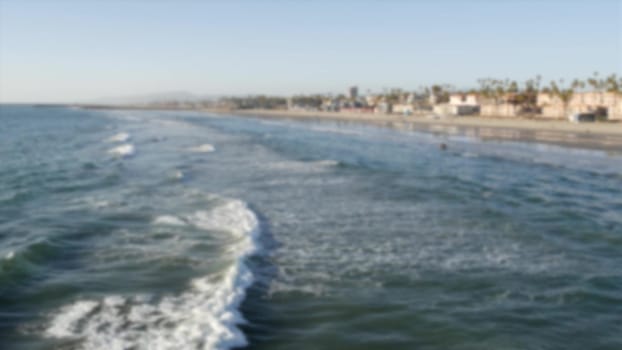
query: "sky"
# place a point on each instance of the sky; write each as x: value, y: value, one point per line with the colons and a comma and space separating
x: 82, y: 51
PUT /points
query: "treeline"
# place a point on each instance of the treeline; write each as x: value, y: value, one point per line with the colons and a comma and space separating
x: 494, y: 90
x: 249, y: 102
x: 526, y: 93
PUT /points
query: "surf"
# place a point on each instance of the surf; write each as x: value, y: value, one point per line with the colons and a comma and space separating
x: 205, y: 316
x: 125, y: 150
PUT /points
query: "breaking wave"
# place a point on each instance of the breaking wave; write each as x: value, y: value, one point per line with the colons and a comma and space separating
x: 124, y: 150
x: 10, y: 255
x: 205, y: 316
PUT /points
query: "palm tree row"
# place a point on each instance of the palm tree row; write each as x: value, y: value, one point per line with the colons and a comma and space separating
x: 510, y: 91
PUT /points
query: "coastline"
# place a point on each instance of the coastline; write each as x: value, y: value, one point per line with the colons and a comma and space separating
x: 605, y: 136
x: 597, y: 136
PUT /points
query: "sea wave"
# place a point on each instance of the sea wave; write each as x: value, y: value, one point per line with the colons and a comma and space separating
x: 300, y: 166
x: 124, y: 150
x: 205, y: 148
x: 120, y: 137
x: 169, y: 220
x: 206, y: 316
x: 10, y: 255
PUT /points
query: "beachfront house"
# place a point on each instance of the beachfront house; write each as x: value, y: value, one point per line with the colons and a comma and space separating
x: 330, y: 104
x: 355, y: 106
x: 372, y: 100
x: 509, y: 105
x: 500, y: 110
x: 463, y: 99
x: 383, y: 107
x: 458, y: 105
x: 403, y: 108
x: 616, y: 111
x: 604, y: 104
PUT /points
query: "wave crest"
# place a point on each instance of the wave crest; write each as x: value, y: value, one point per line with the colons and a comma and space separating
x: 124, y: 150
x: 205, y: 316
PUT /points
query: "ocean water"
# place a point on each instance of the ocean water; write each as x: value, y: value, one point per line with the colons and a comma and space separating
x: 179, y: 230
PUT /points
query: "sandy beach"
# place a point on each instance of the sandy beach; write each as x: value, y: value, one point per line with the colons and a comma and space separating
x: 605, y: 136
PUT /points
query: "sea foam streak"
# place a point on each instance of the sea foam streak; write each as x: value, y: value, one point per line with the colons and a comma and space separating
x: 125, y: 150
x: 205, y: 148
x: 312, y: 166
x: 120, y: 137
x: 204, y: 317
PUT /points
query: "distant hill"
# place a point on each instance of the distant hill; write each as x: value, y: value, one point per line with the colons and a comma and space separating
x: 160, y: 97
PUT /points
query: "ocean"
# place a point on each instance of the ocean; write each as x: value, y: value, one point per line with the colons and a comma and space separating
x: 125, y: 229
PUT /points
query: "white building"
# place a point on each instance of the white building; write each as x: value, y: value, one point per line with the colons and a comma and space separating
x: 463, y: 100
x: 405, y: 109
x: 608, y: 103
x: 459, y: 104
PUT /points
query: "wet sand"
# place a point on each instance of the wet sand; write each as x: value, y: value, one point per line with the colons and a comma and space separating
x: 602, y: 135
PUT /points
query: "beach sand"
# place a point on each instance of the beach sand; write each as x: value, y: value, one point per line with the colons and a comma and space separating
x: 601, y: 135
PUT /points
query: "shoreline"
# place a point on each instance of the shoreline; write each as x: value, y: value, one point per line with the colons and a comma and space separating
x: 605, y: 136
x: 596, y: 136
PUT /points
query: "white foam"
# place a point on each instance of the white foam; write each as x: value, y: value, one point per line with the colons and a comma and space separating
x: 120, y: 137
x: 205, y: 148
x: 124, y: 150
x: 277, y: 287
x: 10, y: 255
x: 204, y: 317
x: 101, y: 204
x: 233, y: 216
x: 69, y: 318
x: 313, y: 166
x: 168, y: 220
x: 90, y: 201
x: 178, y: 174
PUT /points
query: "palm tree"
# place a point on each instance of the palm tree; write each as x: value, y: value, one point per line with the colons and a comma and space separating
x: 499, y: 90
x: 612, y: 84
x: 564, y: 94
x: 485, y: 89
x: 530, y: 94
x: 595, y: 82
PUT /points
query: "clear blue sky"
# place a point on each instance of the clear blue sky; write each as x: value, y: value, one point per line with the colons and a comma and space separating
x: 64, y: 51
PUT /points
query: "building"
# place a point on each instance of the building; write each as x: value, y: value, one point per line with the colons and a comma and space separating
x: 463, y: 99
x: 457, y: 110
x: 403, y: 108
x: 459, y: 104
x: 507, y: 110
x: 616, y: 111
x: 603, y: 104
x: 353, y: 92
x: 582, y: 117
x: 383, y: 108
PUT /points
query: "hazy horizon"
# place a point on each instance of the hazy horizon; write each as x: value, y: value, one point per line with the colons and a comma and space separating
x: 73, y: 51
